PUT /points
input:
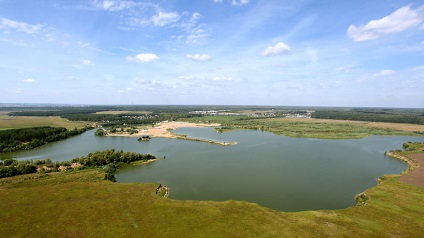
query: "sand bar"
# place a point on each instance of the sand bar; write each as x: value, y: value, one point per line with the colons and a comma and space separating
x: 163, y: 129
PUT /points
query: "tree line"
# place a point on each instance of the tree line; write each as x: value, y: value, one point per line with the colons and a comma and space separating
x: 111, y: 156
x: 370, y: 116
x: 109, y: 160
x: 29, y: 138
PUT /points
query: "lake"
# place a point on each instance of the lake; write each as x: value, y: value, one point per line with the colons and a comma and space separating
x: 279, y: 172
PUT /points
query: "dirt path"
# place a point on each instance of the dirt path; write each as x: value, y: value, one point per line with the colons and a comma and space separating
x: 415, y: 177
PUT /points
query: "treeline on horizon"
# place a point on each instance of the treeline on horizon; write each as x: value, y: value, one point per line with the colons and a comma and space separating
x: 175, y: 112
x: 89, y: 115
x: 29, y: 138
x: 109, y: 160
x: 371, y: 116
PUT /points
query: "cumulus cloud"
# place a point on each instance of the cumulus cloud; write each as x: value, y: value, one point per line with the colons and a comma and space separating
x: 19, y: 26
x: 400, y: 20
x: 29, y: 81
x: 165, y: 18
x: 143, y: 58
x: 278, y: 49
x: 239, y: 2
x: 195, y: 16
x: 384, y: 72
x: 199, y: 57
x: 218, y: 1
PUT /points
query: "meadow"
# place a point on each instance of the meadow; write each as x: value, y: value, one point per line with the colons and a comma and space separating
x: 13, y: 122
x: 313, y: 128
x: 82, y: 204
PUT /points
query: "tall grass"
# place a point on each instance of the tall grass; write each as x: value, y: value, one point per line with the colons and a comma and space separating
x: 305, y: 128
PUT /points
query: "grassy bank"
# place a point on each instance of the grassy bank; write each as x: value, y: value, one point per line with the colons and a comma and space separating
x: 311, y: 128
x: 82, y: 204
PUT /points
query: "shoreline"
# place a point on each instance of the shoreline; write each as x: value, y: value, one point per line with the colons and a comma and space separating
x: 164, y: 130
x: 412, y: 164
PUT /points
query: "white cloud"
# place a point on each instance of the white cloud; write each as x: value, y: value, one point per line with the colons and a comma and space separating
x: 29, y: 80
x: 184, y: 77
x: 19, y: 26
x: 87, y: 63
x: 418, y: 68
x: 199, y: 57
x: 278, y: 49
x: 195, y: 16
x: 346, y: 68
x: 239, y: 2
x: 197, y: 35
x: 113, y: 5
x: 384, y: 72
x: 127, y: 90
x: 218, y: 1
x: 222, y: 78
x: 165, y: 18
x: 143, y: 58
x: 400, y: 20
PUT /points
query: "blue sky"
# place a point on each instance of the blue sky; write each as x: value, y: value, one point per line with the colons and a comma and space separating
x: 230, y: 52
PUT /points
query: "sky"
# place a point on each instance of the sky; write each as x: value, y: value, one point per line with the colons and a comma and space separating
x: 351, y: 53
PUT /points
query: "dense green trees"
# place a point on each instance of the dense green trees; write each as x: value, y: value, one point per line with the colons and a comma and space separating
x: 102, y: 158
x: 109, y: 160
x: 373, y: 116
x: 11, y: 167
x: 29, y: 138
x: 100, y: 132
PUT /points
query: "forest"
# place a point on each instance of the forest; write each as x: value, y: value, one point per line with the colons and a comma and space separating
x: 29, y: 138
x: 371, y: 116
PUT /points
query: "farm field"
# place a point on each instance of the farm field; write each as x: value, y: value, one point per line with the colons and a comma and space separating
x: 12, y: 122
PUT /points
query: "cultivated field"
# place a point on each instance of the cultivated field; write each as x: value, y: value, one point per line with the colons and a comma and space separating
x: 11, y: 122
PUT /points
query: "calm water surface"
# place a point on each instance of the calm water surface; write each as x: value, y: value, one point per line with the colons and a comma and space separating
x: 278, y: 172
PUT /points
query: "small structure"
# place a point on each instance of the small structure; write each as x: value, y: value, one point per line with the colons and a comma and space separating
x: 144, y: 138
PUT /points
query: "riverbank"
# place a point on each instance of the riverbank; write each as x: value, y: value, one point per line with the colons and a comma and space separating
x: 164, y: 130
x: 414, y: 175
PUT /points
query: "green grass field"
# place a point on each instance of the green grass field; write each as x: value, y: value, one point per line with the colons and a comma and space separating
x: 308, y: 128
x: 81, y: 204
x: 11, y: 122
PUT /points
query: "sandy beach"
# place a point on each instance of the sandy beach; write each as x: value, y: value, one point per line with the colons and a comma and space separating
x: 163, y: 129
